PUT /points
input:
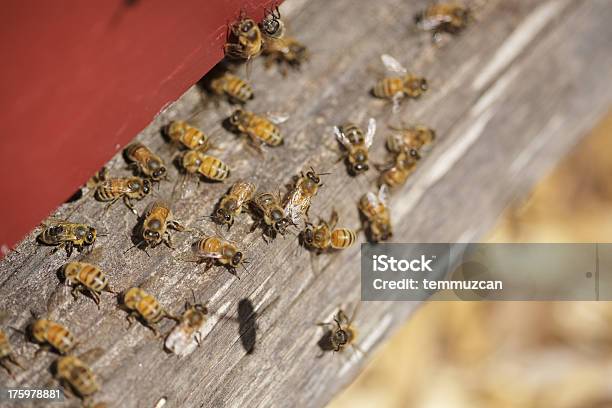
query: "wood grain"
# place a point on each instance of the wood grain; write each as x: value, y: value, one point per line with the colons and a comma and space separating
x: 508, y: 98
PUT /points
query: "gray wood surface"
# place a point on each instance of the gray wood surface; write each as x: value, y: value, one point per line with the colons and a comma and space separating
x: 508, y: 98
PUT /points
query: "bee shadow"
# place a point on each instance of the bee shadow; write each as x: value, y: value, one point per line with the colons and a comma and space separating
x: 324, y: 343
x: 247, y: 325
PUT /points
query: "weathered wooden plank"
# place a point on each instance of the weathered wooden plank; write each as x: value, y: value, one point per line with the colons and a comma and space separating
x: 508, y: 98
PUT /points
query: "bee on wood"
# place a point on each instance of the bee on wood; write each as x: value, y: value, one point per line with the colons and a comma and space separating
x: 395, y: 88
x: 257, y: 128
x: 444, y: 18
x: 144, y: 306
x: 190, y: 137
x: 235, y: 88
x: 232, y: 203
x: 342, y: 333
x: 215, y: 250
x: 396, y: 173
x: 270, y: 214
x: 155, y: 224
x: 145, y: 161
x: 244, y: 40
x: 325, y: 235
x: 196, y: 162
x: 68, y: 235
x: 126, y: 188
x: 356, y: 145
x: 272, y: 27
x: 299, y: 199
x: 286, y: 52
x: 375, y: 209
x: 407, y: 138
x: 82, y: 276
x: 6, y: 354
x: 52, y: 336
x: 76, y: 376
x: 187, y: 335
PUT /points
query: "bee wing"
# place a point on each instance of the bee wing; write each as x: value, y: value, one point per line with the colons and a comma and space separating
x: 372, y: 199
x: 211, y: 256
x: 92, y: 355
x: 392, y: 64
x: 277, y: 117
x: 180, y: 343
x: 369, y: 137
x: 383, y: 194
x: 341, y: 137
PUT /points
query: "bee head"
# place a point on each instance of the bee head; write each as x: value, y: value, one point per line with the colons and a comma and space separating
x: 308, y: 235
x: 312, y: 176
x: 150, y: 235
x: 423, y: 84
x: 224, y: 217
x: 159, y: 173
x: 236, y: 118
x: 237, y: 258
x: 91, y: 235
x: 340, y: 337
x: 146, y: 186
x: 414, y: 154
x: 272, y: 26
x: 281, y: 225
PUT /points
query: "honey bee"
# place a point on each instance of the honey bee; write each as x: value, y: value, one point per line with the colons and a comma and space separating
x: 145, y: 161
x: 190, y: 137
x: 236, y: 89
x: 272, y: 27
x: 144, y: 306
x: 257, y: 128
x: 356, y: 145
x: 396, y: 174
x: 375, y: 208
x: 52, y: 336
x: 286, y: 52
x: 196, y: 162
x: 326, y: 236
x: 299, y: 199
x: 232, y: 203
x: 7, y: 354
x: 341, y: 332
x: 396, y: 88
x: 444, y: 17
x: 68, y: 235
x: 270, y: 214
x: 82, y: 276
x: 155, y: 224
x: 414, y: 137
x: 75, y: 375
x: 187, y: 335
x: 127, y: 188
x: 244, y: 40
x: 218, y: 251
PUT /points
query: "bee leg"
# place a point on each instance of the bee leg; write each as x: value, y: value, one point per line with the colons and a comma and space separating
x: 153, y: 329
x: 167, y: 240
x: 175, y: 225
x: 333, y: 221
x: 67, y: 389
x: 171, y: 317
x: 69, y: 246
x: 109, y: 205
x: 233, y: 271
x: 75, y: 291
x: 43, y: 347
x: 130, y: 318
x: 128, y: 204
x: 96, y: 297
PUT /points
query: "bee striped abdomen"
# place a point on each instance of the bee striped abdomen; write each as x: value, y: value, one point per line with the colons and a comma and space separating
x: 137, y: 152
x: 213, y: 168
x: 93, y: 278
x: 266, y: 131
x: 80, y: 377
x: 388, y: 87
x: 60, y: 338
x: 150, y: 309
x: 111, y: 189
x: 238, y: 89
x: 83, y: 381
x: 342, y: 238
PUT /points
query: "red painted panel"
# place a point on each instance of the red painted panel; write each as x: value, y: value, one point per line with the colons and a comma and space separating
x: 79, y: 79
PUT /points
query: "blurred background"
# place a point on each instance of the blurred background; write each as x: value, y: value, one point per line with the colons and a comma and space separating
x: 512, y: 354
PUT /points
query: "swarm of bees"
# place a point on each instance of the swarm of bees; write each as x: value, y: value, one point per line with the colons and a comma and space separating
x: 274, y: 213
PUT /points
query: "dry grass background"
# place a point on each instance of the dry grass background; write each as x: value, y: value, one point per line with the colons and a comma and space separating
x: 512, y: 354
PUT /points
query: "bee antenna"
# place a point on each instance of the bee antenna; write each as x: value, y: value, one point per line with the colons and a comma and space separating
x: 194, y: 297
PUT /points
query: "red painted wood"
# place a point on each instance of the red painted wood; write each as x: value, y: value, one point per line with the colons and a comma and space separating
x: 80, y: 79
